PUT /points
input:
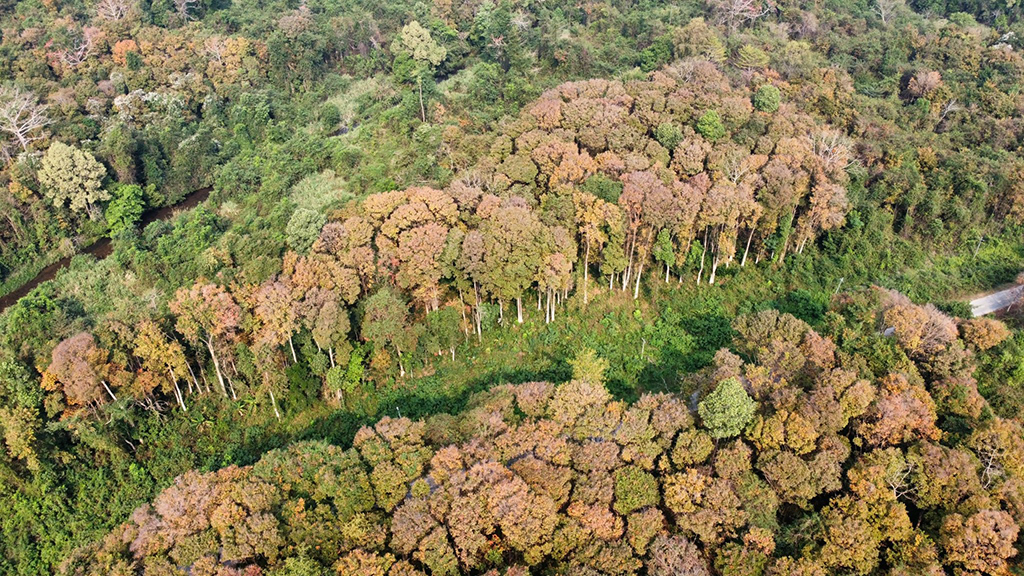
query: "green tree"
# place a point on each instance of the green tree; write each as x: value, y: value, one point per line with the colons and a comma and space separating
x: 634, y: 489
x: 304, y: 228
x: 751, y: 57
x: 415, y: 43
x: 710, y: 126
x: 125, y: 210
x: 587, y: 366
x: 442, y: 330
x: 72, y: 176
x: 386, y: 323
x: 664, y: 251
x: 727, y: 410
x: 767, y: 98
x: 668, y: 135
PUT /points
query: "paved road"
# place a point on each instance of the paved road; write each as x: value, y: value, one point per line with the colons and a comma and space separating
x: 996, y: 301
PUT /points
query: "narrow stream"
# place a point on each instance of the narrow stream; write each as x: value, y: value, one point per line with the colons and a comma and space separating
x: 102, y: 248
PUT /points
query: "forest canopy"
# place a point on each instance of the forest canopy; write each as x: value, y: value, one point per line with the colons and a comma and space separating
x: 295, y: 287
x: 796, y: 461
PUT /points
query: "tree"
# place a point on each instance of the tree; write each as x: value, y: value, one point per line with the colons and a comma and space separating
x: 80, y: 366
x: 984, y: 333
x: 587, y: 366
x: 902, y: 412
x: 514, y: 243
x: 727, y: 410
x: 115, y: 10
x: 750, y: 57
x: 207, y: 313
x: 125, y: 209
x: 710, y: 126
x: 274, y: 308
x: 21, y: 114
x: 886, y: 9
x: 304, y: 228
x: 19, y: 425
x: 674, y: 555
x: 983, y: 542
x: 159, y: 353
x: 634, y: 489
x: 415, y: 43
x: 664, y: 251
x: 442, y: 329
x: 386, y: 323
x: 71, y: 175
x: 734, y: 13
x: 767, y: 98
x: 183, y: 10
x: 668, y: 135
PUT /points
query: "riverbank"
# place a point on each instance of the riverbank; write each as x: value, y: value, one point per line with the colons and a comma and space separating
x: 103, y: 247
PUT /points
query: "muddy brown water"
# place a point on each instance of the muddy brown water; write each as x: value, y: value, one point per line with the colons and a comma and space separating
x: 102, y: 248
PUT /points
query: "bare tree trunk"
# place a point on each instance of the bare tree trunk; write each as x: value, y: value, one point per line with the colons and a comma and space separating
x: 330, y: 354
x: 107, y: 388
x: 714, y: 264
x: 201, y: 373
x: 478, y: 313
x: 462, y: 308
x: 177, y: 396
x: 666, y: 273
x: 216, y: 367
x: 627, y: 274
x: 273, y: 402
x: 700, y: 273
x: 190, y: 391
x: 639, y: 273
x: 401, y: 368
x: 538, y: 298
x: 747, y: 249
x: 501, y: 312
x: 292, y: 346
x: 177, y: 391
x: 519, y: 309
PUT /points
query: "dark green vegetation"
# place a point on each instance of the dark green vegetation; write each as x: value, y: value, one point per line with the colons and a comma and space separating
x: 397, y: 184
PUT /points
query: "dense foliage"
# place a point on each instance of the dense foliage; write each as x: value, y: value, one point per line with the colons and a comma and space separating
x: 697, y: 195
x: 838, y: 467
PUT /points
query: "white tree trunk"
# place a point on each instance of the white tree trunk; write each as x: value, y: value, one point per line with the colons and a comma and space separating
x: 639, y: 273
x: 747, y: 249
x: 700, y: 272
x: 177, y: 391
x: 107, y: 388
x: 273, y: 402
x: 216, y: 367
